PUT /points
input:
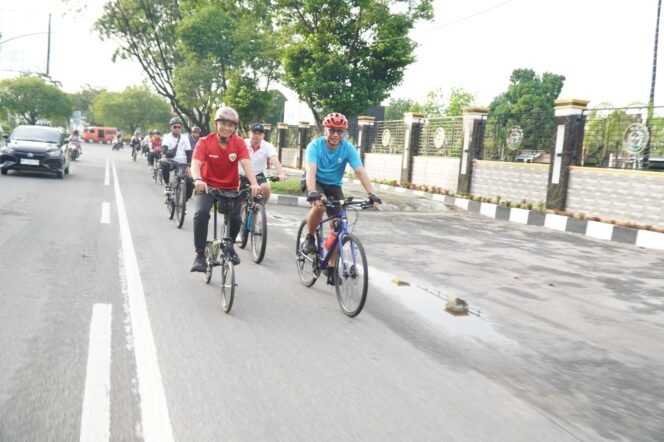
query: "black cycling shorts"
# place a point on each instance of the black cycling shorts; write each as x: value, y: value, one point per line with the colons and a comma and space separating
x: 332, y: 192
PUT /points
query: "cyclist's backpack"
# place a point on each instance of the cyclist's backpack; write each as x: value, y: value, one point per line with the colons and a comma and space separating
x: 303, y: 182
x: 170, y: 153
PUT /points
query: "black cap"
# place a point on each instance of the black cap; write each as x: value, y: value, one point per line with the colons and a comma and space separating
x: 259, y: 127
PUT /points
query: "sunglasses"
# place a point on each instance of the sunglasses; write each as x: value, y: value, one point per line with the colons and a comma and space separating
x: 176, y: 127
x: 336, y: 131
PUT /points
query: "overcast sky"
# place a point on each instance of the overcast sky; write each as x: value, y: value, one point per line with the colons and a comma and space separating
x: 604, y: 48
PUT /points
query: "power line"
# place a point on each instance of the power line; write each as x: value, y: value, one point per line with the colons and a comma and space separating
x: 454, y: 22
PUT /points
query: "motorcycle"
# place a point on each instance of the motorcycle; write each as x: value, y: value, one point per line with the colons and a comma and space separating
x: 74, y: 149
x: 117, y: 144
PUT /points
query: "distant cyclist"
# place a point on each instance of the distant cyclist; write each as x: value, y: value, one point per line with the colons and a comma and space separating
x: 194, y: 136
x: 175, y: 151
x: 154, y: 144
x: 135, y: 142
x: 261, y: 152
x: 215, y: 163
x: 326, y: 158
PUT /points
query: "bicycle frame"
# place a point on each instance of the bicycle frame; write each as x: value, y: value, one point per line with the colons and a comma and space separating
x: 343, y: 231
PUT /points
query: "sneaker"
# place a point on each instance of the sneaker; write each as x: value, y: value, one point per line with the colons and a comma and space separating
x: 329, y: 272
x: 167, y: 190
x: 310, y: 244
x: 199, y: 264
x: 235, y: 259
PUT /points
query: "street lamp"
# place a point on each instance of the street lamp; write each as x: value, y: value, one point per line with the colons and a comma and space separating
x: 651, y: 101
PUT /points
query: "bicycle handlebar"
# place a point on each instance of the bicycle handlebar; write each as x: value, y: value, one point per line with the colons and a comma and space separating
x: 364, y: 204
x: 219, y: 193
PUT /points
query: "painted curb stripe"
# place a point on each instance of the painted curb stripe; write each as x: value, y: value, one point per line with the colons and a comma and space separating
x: 519, y: 216
x: 651, y: 240
x: 462, y: 203
x: 599, y: 230
x: 556, y: 222
x: 488, y: 209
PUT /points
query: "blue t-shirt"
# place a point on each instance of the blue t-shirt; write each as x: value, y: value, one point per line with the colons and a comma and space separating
x: 331, y: 164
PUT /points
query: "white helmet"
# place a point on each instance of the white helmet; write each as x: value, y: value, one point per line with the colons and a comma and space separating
x: 227, y: 113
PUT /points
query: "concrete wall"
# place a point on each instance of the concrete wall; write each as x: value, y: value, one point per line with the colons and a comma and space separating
x: 436, y: 171
x: 289, y: 157
x: 512, y: 181
x: 383, y: 166
x: 623, y: 195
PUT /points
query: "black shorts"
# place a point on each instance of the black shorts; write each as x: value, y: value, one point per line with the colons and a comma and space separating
x: 332, y: 192
x: 244, y: 182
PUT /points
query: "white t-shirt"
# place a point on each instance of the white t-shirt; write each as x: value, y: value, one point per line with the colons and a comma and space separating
x: 183, y: 146
x: 259, y: 157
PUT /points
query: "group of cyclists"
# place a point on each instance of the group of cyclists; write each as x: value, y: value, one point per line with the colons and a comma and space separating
x: 226, y: 161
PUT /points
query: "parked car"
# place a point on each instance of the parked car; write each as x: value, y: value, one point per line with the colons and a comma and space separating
x: 96, y: 134
x: 37, y: 149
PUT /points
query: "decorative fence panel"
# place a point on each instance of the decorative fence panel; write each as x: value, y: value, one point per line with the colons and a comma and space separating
x: 388, y: 137
x: 441, y: 137
x: 519, y: 137
x: 618, y: 138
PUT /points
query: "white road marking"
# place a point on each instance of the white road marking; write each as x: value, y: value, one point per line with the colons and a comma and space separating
x: 95, y: 416
x: 156, y: 421
x: 105, y: 213
x: 107, y: 177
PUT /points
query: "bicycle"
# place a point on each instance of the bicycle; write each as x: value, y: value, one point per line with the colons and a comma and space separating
x: 176, y: 200
x: 351, y: 272
x: 134, y: 153
x: 217, y: 247
x: 254, y: 224
x: 156, y: 172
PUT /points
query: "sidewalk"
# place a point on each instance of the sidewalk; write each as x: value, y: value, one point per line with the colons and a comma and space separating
x: 400, y: 199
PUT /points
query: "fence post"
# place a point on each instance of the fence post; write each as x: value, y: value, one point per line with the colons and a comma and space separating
x: 365, y: 124
x: 473, y: 137
x: 303, y: 140
x: 282, y: 137
x: 413, y: 124
x: 568, y: 145
x: 268, y: 131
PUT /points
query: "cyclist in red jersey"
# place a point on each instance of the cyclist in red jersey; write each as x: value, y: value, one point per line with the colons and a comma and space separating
x: 215, y: 163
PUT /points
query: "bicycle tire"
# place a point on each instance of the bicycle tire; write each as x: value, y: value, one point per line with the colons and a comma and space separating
x: 351, y: 278
x: 180, y: 204
x: 244, y: 232
x: 207, y: 276
x: 258, y: 233
x: 308, y: 267
x: 133, y: 155
x: 227, y: 285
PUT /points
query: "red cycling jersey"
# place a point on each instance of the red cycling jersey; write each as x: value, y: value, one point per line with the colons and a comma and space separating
x: 219, y: 168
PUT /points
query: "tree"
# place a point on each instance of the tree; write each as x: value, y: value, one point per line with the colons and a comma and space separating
x: 434, y: 104
x: 135, y: 107
x: 82, y: 100
x: 397, y: 107
x: 192, y: 50
x: 33, y: 99
x: 527, y: 103
x: 459, y: 99
x: 278, y: 103
x: 347, y: 55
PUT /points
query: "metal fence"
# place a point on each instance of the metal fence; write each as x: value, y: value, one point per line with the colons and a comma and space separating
x: 441, y: 137
x: 619, y: 138
x: 388, y: 137
x: 519, y: 137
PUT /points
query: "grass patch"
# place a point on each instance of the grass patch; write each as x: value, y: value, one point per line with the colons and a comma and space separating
x: 289, y: 187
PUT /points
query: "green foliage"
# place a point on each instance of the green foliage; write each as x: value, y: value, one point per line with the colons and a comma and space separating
x: 459, y: 99
x: 434, y: 104
x: 347, y: 55
x: 135, y: 107
x: 277, y: 114
x: 82, y: 100
x: 193, y: 51
x: 33, y: 99
x: 397, y: 107
x: 527, y: 103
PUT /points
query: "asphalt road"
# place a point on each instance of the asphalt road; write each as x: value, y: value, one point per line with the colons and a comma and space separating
x: 105, y: 335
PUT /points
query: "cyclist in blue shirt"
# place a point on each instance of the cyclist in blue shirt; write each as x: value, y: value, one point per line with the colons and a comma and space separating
x: 326, y: 158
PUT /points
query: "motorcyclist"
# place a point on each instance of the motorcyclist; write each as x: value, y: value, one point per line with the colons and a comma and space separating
x: 75, y: 139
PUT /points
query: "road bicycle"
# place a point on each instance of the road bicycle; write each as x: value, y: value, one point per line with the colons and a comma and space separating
x: 156, y: 172
x: 176, y: 199
x: 351, y: 272
x: 254, y: 224
x: 224, y: 202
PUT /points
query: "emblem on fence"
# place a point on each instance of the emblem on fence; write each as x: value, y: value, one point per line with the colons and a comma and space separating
x: 635, y: 138
x: 439, y: 138
x: 514, y: 138
x: 387, y: 137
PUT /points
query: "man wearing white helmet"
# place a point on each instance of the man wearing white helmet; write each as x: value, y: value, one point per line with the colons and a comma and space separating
x: 215, y: 163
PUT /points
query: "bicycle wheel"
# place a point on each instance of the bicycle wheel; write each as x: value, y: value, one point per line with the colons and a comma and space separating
x: 307, y: 264
x: 245, y: 226
x: 133, y: 155
x: 209, y: 260
x: 258, y: 233
x: 154, y: 174
x: 227, y: 285
x: 180, y: 203
x: 351, y: 278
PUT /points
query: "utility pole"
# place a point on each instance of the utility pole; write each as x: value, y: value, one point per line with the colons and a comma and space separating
x: 651, y: 100
x: 48, y: 52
